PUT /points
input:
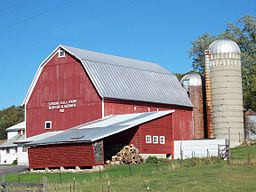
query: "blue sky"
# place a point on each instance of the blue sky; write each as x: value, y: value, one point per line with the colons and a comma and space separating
x: 160, y: 31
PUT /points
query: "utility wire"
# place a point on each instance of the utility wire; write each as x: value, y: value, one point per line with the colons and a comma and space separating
x: 5, y: 10
x: 35, y: 16
x: 108, y: 11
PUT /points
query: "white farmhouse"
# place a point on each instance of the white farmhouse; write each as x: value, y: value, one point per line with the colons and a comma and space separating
x: 10, y: 151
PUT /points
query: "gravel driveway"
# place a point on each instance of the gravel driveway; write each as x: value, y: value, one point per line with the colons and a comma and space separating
x: 12, y: 169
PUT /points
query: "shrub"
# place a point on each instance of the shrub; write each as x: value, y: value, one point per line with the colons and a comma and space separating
x: 152, y: 160
x: 15, y: 162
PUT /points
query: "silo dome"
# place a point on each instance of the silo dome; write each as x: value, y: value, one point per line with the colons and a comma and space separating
x: 224, y: 46
x: 192, y: 79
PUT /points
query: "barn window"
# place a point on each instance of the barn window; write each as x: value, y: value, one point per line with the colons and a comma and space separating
x: 162, y: 139
x: 155, y: 139
x: 61, y: 53
x: 148, y: 138
x: 48, y: 124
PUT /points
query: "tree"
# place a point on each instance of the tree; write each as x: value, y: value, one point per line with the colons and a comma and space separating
x: 9, y: 117
x: 197, y: 52
x: 180, y: 75
x: 243, y: 32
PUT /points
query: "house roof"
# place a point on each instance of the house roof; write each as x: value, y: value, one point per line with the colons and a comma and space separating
x: 10, y: 143
x: 96, y: 130
x: 252, y: 118
x: 38, y: 137
x: 127, y: 79
x: 17, y: 127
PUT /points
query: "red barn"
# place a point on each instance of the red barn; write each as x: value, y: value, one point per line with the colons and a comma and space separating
x: 87, y: 102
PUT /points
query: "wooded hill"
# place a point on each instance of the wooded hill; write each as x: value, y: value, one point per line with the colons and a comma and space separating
x: 9, y: 117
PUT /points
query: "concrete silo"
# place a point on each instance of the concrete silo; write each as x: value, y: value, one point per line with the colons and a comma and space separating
x: 224, y: 92
x: 193, y: 84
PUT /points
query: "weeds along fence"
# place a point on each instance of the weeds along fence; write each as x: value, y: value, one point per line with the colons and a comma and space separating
x: 24, y: 187
x: 209, y: 150
x: 244, y: 155
x: 111, y: 178
x: 102, y: 181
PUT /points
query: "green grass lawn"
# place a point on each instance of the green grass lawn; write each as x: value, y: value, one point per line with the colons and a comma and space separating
x: 167, y: 176
x: 243, y: 152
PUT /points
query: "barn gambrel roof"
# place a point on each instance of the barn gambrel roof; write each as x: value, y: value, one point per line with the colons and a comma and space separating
x: 126, y: 79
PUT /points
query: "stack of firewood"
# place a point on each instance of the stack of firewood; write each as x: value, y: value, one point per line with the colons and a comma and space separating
x: 128, y: 155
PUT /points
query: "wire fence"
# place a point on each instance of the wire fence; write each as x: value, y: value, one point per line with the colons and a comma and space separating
x: 244, y: 155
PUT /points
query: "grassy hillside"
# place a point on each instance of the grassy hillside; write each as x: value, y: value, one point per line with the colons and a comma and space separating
x: 193, y: 175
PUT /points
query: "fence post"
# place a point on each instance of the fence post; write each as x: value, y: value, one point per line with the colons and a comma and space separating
x: 248, y: 158
x: 229, y: 150
x: 100, y: 172
x: 74, y: 184
x: 130, y: 169
x: 181, y: 153
x: 218, y: 151
x: 108, y: 186
x: 45, y: 184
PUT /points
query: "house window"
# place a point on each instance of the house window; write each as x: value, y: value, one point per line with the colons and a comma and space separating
x: 16, y: 150
x: 7, y: 151
x: 48, y: 124
x: 24, y: 149
x: 148, y: 138
x: 61, y: 53
x: 162, y: 139
x: 155, y: 139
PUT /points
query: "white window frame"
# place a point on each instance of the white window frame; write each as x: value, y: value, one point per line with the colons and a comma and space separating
x: 148, y: 137
x: 155, y: 141
x: 46, y: 122
x: 61, y: 53
x: 162, y: 139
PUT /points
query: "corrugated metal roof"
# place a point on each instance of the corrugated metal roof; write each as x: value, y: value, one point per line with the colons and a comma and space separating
x: 38, y: 137
x: 101, y: 128
x: 115, y: 60
x: 16, y: 127
x: 130, y: 79
x: 10, y: 143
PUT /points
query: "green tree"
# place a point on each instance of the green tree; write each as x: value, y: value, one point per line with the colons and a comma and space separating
x: 197, y: 51
x: 243, y: 32
x: 9, y: 117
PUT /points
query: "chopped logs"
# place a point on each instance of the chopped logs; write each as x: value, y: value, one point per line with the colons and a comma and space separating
x: 128, y: 155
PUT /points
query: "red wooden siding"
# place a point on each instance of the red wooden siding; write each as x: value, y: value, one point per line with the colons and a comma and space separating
x: 182, y: 117
x: 137, y: 136
x: 158, y: 127
x: 62, y: 79
x: 68, y: 155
